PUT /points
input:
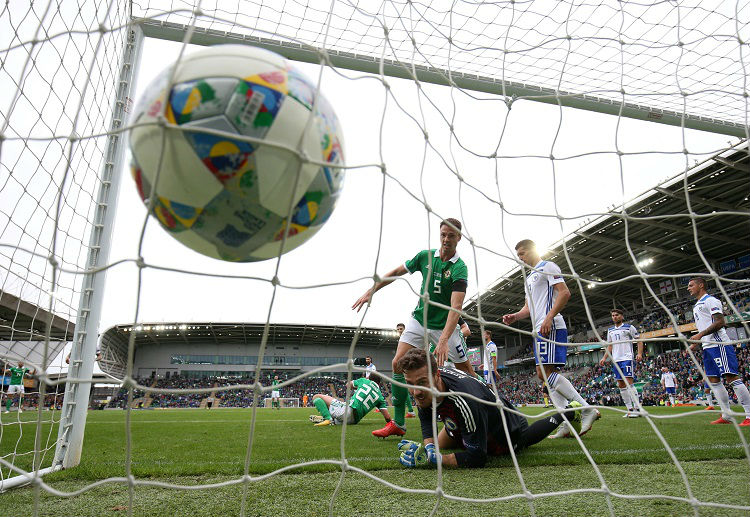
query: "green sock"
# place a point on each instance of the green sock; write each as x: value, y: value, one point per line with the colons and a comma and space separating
x: 399, y: 395
x: 408, y: 403
x: 8, y: 402
x: 322, y: 408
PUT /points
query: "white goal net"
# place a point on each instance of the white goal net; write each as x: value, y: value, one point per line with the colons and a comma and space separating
x: 612, y: 133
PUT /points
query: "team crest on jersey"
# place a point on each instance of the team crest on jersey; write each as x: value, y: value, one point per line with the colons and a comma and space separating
x: 534, y: 277
x: 450, y: 424
x: 447, y: 273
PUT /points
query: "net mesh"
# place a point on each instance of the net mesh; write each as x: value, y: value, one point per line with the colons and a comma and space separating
x: 61, y: 63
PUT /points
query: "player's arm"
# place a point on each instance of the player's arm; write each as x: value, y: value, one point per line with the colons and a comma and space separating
x: 465, y: 330
x: 494, y: 363
x: 563, y: 295
x: 639, y: 355
x: 718, y: 323
x: 524, y: 313
x: 457, y: 302
x: 607, y: 355
x: 389, y: 277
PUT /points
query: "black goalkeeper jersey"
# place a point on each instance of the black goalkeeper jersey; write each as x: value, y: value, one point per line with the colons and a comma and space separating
x: 476, y: 426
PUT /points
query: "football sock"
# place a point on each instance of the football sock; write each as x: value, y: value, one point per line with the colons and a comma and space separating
x: 8, y: 403
x: 671, y: 400
x: 709, y: 399
x: 743, y: 395
x: 322, y: 408
x: 625, y: 394
x: 399, y: 395
x: 563, y: 386
x: 722, y: 397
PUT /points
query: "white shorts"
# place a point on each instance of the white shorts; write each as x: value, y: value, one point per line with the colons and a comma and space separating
x: 338, y: 409
x: 275, y: 394
x: 16, y: 388
x: 414, y: 335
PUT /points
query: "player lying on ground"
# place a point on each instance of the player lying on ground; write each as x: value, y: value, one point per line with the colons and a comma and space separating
x: 475, y: 427
x: 365, y: 397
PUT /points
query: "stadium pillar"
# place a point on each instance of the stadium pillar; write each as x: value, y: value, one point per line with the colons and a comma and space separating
x: 83, y: 354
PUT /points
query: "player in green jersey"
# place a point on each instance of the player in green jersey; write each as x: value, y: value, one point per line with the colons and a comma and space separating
x: 444, y: 281
x: 16, y: 385
x: 275, y: 393
x: 366, y: 396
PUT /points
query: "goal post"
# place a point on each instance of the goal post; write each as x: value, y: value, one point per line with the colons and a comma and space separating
x: 85, y: 341
x: 285, y: 402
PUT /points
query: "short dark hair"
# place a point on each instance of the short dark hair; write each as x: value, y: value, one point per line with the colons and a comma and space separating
x: 526, y: 243
x: 699, y: 280
x: 368, y: 357
x: 488, y: 332
x: 451, y: 221
x: 618, y: 311
x: 415, y: 359
x: 400, y: 325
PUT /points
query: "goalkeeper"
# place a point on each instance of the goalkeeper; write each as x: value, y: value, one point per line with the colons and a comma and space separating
x: 472, y: 426
x: 366, y: 396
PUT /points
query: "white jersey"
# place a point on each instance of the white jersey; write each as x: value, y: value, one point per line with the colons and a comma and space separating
x: 370, y: 368
x: 490, y: 351
x: 669, y: 380
x: 703, y: 313
x: 541, y: 294
x: 627, y: 333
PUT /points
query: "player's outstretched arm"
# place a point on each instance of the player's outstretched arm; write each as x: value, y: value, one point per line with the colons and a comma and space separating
x: 524, y: 313
x: 389, y: 277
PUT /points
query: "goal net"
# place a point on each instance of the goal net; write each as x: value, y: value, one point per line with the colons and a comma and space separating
x: 613, y: 133
x: 283, y: 401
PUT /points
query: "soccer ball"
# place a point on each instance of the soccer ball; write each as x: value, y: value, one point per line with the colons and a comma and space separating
x: 224, y: 178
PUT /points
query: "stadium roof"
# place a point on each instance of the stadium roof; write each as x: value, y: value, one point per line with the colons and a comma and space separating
x: 114, y: 341
x: 23, y: 327
x: 659, y: 229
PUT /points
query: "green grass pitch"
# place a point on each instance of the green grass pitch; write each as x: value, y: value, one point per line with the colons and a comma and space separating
x: 198, y: 447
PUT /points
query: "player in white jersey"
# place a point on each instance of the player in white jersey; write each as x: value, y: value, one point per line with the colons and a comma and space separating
x: 490, y: 359
x: 370, y: 366
x: 668, y: 384
x: 719, y: 360
x: 546, y: 296
x: 620, y: 350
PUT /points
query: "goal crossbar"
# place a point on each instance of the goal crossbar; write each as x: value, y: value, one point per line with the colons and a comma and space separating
x: 372, y: 64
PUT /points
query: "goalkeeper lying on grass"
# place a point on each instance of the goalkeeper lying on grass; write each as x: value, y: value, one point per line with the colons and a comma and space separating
x: 366, y: 396
x: 475, y: 427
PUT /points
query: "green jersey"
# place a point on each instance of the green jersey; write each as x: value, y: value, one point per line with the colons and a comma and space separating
x: 366, y: 396
x: 17, y: 374
x: 439, y: 287
x: 274, y: 383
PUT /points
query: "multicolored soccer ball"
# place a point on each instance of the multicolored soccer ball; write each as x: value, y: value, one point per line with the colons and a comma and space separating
x: 216, y: 193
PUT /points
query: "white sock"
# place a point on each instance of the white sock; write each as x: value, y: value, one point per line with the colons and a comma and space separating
x: 743, y: 395
x: 671, y: 400
x: 625, y: 394
x: 709, y: 399
x: 565, y: 388
x: 722, y: 397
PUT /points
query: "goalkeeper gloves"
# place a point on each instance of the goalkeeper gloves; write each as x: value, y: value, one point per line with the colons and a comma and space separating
x: 405, y: 445
x: 420, y: 456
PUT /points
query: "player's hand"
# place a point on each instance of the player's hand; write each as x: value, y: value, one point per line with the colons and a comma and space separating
x: 363, y: 300
x: 509, y: 319
x: 639, y: 358
x: 441, y: 352
x: 422, y: 456
x: 602, y: 361
x: 405, y: 445
x: 546, y: 327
